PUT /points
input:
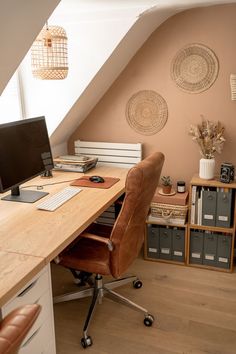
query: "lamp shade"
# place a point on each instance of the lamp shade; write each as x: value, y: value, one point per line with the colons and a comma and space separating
x: 49, y: 60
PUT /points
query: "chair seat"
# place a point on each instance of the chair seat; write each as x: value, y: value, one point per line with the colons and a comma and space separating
x: 87, y: 255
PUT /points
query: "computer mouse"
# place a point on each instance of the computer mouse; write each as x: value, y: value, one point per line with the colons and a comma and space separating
x: 96, y: 179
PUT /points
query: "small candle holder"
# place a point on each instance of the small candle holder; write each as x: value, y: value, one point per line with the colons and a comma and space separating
x: 181, y: 187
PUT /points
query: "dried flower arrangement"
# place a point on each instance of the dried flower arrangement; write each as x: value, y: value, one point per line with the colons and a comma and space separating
x: 209, y: 136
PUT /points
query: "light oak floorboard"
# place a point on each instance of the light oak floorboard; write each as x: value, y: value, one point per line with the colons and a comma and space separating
x: 195, y: 312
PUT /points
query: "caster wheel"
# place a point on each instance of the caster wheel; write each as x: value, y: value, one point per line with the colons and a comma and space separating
x: 148, y: 320
x: 86, y: 342
x: 137, y: 284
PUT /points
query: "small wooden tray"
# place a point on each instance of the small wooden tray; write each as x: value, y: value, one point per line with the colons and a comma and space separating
x: 173, y: 192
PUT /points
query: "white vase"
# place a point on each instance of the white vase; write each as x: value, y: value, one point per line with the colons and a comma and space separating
x: 207, y: 168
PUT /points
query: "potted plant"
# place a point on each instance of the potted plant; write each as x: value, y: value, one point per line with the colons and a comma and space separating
x: 166, y: 184
x: 209, y: 136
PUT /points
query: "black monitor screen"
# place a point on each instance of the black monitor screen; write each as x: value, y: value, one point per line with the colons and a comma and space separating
x: 25, y: 151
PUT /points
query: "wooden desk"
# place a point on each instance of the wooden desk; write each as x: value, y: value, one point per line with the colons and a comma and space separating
x: 27, y: 231
x: 16, y: 270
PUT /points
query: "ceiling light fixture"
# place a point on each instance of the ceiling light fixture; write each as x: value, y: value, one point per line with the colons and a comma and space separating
x: 49, y: 54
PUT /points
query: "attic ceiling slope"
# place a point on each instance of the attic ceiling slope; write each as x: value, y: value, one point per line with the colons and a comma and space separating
x: 147, y: 22
x: 20, y: 22
x: 128, y: 46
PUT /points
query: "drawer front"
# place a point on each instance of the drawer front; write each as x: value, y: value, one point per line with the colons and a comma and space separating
x: 224, y: 245
x: 51, y: 349
x: 224, y: 209
x: 178, y: 245
x: 196, y: 247
x: 37, y: 343
x: 153, y: 241
x: 46, y: 302
x: 209, y: 208
x: 31, y: 293
x: 165, y: 242
x: 210, y: 246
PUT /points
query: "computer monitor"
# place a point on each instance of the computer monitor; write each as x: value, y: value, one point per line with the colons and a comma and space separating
x: 25, y: 153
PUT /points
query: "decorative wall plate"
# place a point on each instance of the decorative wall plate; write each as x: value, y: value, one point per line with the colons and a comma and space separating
x: 146, y: 112
x: 195, y: 68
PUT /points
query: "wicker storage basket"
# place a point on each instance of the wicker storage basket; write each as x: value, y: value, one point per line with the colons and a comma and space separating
x: 168, y: 213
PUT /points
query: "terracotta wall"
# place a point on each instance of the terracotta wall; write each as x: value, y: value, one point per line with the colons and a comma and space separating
x: 150, y: 70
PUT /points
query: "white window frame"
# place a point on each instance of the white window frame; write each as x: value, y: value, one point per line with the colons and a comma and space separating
x: 13, y: 97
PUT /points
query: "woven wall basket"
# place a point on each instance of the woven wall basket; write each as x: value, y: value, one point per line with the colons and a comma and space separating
x: 146, y: 112
x: 194, y: 68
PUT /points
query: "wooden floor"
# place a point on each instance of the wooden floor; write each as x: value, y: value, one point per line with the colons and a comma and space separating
x: 195, y: 312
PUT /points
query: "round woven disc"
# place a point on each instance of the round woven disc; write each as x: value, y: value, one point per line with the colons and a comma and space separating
x: 146, y: 112
x: 195, y: 68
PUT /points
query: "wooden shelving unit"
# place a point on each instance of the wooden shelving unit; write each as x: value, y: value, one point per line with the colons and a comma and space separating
x: 220, y: 233
x: 213, y: 184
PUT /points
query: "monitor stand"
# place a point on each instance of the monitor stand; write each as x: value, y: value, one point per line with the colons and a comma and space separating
x: 47, y: 174
x: 24, y: 196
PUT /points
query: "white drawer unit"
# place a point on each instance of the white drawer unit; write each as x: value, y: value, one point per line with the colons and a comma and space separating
x: 30, y: 294
x: 39, y: 291
x: 50, y: 348
x: 37, y: 343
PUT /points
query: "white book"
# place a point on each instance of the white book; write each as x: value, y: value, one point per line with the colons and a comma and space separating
x: 74, y: 167
x: 68, y: 167
x: 199, y: 220
x: 193, y: 202
x: 166, y: 222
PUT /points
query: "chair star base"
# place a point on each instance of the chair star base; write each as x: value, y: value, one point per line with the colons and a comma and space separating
x: 98, y: 291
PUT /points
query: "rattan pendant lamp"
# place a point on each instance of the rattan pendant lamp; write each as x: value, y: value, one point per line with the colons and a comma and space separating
x: 49, y: 54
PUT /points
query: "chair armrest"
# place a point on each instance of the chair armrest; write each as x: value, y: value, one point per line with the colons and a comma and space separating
x: 15, y: 326
x: 103, y: 229
x: 105, y: 240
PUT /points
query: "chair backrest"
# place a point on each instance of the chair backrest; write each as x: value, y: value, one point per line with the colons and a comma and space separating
x: 128, y: 232
x: 15, y: 326
x: 111, y: 154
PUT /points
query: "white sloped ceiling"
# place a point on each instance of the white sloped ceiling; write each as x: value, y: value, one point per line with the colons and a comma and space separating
x: 20, y: 22
x: 153, y: 14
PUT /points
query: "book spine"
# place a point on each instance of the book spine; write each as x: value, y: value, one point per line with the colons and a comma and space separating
x: 193, y: 202
x: 68, y: 167
x: 199, y: 216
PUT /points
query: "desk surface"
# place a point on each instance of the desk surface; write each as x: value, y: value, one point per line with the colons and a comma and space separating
x: 16, y: 270
x: 37, y: 236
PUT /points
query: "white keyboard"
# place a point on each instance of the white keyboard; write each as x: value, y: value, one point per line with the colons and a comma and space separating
x: 56, y: 200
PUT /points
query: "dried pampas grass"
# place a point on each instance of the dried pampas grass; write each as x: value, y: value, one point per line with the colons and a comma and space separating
x: 209, y: 136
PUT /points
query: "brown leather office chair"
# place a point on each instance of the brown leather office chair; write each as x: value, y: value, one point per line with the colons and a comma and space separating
x: 110, y: 251
x: 15, y: 326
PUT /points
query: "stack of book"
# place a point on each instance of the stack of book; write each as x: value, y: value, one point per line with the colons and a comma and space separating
x: 169, y: 209
x: 74, y: 163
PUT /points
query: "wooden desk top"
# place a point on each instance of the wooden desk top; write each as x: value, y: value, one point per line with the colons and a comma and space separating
x: 16, y: 270
x: 31, y: 238
x: 27, y: 230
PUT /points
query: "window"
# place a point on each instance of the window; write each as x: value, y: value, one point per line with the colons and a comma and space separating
x: 11, y: 108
